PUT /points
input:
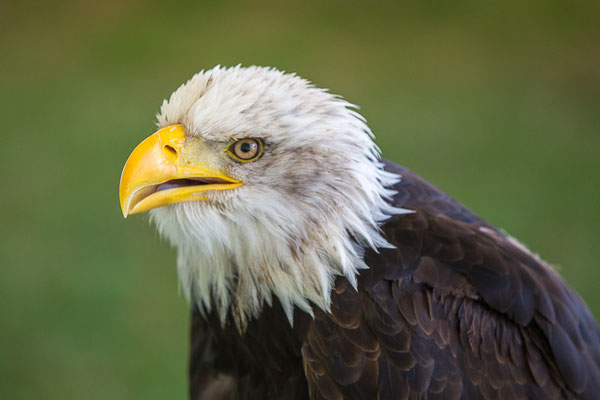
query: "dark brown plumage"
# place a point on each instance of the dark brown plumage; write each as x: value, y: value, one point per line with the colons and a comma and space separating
x: 457, y: 311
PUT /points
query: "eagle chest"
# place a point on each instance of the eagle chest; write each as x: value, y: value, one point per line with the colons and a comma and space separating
x: 264, y: 362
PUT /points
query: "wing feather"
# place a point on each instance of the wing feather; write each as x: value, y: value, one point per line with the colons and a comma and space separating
x: 457, y: 310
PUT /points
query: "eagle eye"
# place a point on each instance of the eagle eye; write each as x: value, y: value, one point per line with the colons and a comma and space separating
x: 248, y: 149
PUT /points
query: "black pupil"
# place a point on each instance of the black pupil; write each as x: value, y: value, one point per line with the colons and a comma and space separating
x: 246, y: 147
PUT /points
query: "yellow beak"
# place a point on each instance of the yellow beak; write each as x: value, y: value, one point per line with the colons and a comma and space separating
x: 155, y: 174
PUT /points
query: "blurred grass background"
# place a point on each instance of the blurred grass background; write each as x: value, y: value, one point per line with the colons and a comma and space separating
x: 495, y: 102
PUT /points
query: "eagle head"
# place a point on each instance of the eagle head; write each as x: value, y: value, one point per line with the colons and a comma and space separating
x: 266, y: 185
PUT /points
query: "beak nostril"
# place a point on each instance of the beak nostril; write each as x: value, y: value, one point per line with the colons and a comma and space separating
x: 170, y: 152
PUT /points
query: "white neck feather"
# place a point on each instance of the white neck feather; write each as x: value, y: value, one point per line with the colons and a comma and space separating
x: 234, y: 263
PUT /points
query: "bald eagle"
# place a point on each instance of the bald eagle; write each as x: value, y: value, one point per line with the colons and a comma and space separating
x: 318, y: 270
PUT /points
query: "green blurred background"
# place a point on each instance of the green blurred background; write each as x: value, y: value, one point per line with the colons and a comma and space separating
x: 495, y: 102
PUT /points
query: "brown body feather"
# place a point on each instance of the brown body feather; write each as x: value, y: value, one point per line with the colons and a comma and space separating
x: 457, y: 310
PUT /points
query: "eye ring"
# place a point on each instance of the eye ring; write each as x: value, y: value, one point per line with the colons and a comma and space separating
x: 246, y: 150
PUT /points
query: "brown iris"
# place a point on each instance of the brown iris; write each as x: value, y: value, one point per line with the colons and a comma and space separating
x: 248, y: 149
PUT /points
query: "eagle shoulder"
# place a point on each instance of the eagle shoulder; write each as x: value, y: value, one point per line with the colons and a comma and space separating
x: 457, y: 310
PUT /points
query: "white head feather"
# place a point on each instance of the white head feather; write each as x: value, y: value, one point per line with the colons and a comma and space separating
x: 308, y: 206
